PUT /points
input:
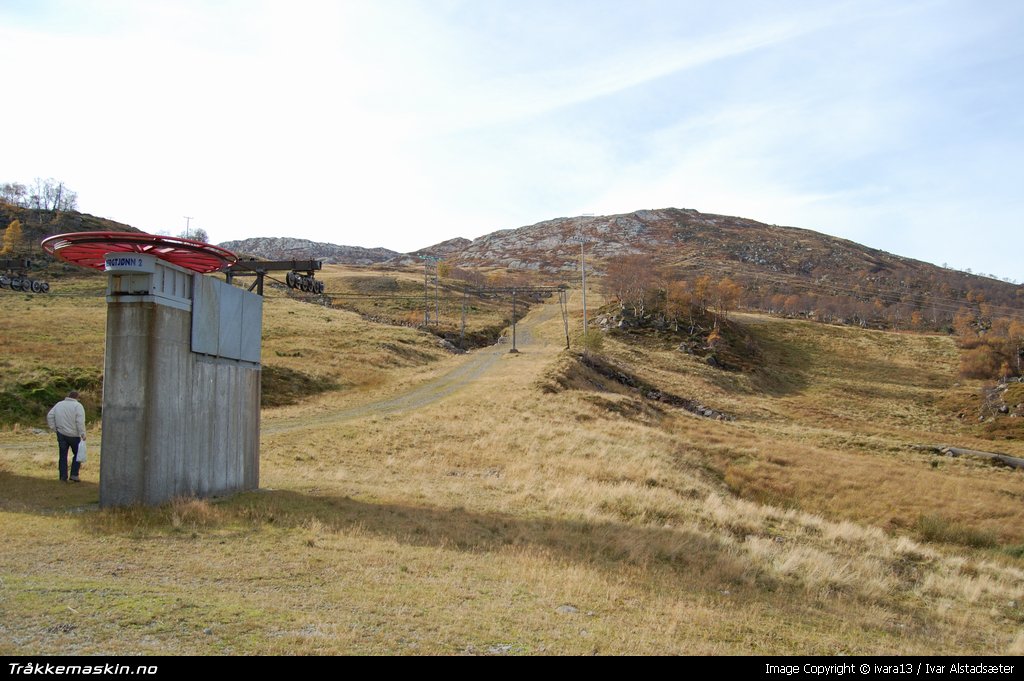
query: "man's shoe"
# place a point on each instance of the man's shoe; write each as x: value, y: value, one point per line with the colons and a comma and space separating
x: 75, y: 480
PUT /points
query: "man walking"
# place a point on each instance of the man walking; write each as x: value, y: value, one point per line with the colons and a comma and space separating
x: 67, y: 418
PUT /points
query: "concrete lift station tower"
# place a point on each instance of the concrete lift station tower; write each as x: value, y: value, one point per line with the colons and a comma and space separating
x: 181, y: 374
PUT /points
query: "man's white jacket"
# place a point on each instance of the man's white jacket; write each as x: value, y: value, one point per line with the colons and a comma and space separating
x: 67, y: 418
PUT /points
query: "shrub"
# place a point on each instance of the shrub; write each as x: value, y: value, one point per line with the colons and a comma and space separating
x: 593, y: 341
x: 981, y: 361
x: 937, y: 529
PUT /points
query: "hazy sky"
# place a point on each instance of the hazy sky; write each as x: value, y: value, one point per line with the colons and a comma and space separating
x: 401, y: 123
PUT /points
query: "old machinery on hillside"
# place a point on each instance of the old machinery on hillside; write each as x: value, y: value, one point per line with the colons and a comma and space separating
x: 300, y: 273
x: 304, y: 282
x: 13, y: 276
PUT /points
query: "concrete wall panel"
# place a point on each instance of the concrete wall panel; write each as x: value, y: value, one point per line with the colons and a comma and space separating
x: 252, y: 328
x: 178, y: 423
x: 124, y: 397
x: 205, y: 316
x: 230, y: 321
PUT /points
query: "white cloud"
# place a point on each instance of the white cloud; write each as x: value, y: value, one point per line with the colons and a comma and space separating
x: 403, y: 123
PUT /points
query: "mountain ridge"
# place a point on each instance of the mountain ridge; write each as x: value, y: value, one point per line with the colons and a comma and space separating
x: 810, y: 269
x: 289, y: 248
x: 769, y: 260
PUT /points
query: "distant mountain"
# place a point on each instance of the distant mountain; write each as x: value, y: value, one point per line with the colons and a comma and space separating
x: 286, y: 248
x: 812, y: 272
x: 443, y: 250
x: 767, y: 260
x: 780, y: 268
x: 671, y: 236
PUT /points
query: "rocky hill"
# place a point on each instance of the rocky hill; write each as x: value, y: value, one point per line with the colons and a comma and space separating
x: 286, y: 248
x: 780, y: 268
x: 675, y: 236
x: 443, y: 250
x: 768, y: 260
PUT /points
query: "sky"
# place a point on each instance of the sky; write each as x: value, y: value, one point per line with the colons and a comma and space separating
x: 402, y: 123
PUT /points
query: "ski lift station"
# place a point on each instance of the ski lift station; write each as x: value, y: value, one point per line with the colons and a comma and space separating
x: 181, y: 375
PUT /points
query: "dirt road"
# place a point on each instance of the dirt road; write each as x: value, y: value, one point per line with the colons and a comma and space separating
x: 473, y: 366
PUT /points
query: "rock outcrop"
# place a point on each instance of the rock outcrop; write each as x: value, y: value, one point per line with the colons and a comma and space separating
x: 286, y: 248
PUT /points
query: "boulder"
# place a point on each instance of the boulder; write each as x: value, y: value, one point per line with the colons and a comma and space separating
x: 447, y: 345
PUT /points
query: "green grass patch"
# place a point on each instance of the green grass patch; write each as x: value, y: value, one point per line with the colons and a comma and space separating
x: 283, y: 386
x: 28, y: 399
x: 936, y: 529
x: 1015, y: 551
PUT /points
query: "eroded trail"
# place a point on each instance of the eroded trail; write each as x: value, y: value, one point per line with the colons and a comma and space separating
x: 474, y: 365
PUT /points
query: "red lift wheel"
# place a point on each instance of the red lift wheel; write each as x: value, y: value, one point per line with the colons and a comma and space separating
x: 88, y: 248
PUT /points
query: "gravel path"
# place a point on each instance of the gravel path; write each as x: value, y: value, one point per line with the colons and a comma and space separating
x: 475, y: 364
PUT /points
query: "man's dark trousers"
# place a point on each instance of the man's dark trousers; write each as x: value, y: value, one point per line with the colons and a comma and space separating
x: 63, y: 444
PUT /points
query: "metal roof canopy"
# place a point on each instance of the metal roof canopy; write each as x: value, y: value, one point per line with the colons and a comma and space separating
x: 88, y: 249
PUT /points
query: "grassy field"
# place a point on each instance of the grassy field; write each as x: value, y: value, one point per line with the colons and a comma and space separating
x: 495, y: 514
x: 396, y: 296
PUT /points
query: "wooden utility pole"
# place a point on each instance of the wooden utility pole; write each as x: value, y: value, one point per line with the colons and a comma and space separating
x: 426, y: 294
x: 583, y: 276
x: 465, y: 302
x: 429, y: 260
x: 563, y: 301
x: 513, y: 322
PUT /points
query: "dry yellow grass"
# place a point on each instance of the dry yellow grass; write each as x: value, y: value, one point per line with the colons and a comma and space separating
x: 396, y: 294
x: 497, y: 518
x: 830, y: 425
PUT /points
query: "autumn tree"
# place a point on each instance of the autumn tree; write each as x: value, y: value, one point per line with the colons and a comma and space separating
x: 1015, y: 337
x: 963, y: 323
x: 51, y: 195
x: 471, y: 276
x: 862, y: 311
x: 727, y: 296
x: 990, y: 352
x: 14, y: 239
x: 794, y: 304
x: 631, y: 280
x: 702, y: 293
x: 14, y: 193
x: 195, y: 234
x: 979, y: 362
x: 678, y: 303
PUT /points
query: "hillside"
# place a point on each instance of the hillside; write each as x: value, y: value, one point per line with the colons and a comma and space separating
x: 39, y: 224
x: 492, y: 503
x: 286, y: 248
x: 674, y: 236
x: 767, y: 260
x: 781, y: 269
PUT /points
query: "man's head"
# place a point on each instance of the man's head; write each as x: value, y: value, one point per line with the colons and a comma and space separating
x: 73, y: 394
